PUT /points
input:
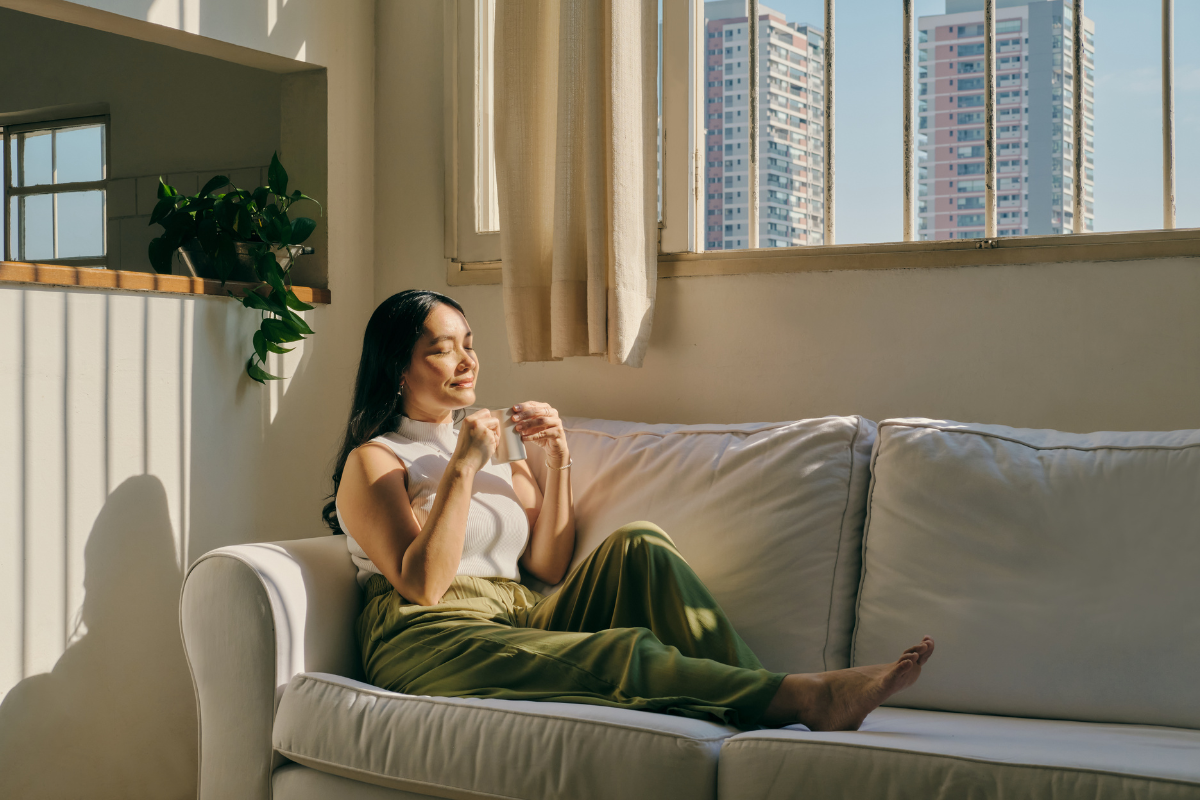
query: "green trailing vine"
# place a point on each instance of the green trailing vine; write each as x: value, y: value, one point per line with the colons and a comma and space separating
x: 259, y: 221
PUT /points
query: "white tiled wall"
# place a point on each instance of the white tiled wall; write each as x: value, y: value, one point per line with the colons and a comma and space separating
x: 131, y: 202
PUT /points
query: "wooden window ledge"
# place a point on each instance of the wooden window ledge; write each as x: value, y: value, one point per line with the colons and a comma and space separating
x: 94, y: 278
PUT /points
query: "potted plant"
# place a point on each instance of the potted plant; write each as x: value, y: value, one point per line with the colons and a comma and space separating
x: 241, y: 234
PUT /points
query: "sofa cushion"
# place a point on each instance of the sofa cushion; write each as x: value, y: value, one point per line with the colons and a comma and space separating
x: 467, y: 748
x: 1057, y: 571
x: 925, y: 754
x: 769, y: 515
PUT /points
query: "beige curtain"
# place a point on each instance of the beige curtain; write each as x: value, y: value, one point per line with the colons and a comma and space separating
x: 576, y: 171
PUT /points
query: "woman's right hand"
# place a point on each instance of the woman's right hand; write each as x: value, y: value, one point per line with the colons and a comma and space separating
x: 478, y: 439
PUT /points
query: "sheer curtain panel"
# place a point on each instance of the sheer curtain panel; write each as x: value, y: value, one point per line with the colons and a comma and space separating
x: 576, y: 171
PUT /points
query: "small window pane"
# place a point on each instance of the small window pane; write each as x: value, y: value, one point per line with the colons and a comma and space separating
x: 38, y: 168
x: 80, y: 224
x: 79, y: 155
x: 790, y: 149
x: 14, y: 220
x: 39, y: 228
x: 487, y: 209
x: 1187, y: 117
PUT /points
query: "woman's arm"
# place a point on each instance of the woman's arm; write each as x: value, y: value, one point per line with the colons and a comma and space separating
x: 419, y: 562
x: 552, y: 517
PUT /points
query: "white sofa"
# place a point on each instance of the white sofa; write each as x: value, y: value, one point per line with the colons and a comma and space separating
x: 1059, y: 574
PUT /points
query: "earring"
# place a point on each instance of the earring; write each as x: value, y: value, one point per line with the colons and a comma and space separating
x: 401, y: 392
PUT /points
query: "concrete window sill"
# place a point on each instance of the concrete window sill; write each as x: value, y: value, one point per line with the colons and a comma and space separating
x: 1010, y: 250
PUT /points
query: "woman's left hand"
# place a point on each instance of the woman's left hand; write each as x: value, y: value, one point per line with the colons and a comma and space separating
x: 539, y: 423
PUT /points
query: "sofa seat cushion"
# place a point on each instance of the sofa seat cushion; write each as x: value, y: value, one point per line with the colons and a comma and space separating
x: 468, y: 748
x: 901, y: 753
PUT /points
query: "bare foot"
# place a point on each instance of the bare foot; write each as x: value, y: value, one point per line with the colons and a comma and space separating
x: 840, y: 700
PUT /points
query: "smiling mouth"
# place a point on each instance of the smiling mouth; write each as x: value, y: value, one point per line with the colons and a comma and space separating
x: 464, y: 384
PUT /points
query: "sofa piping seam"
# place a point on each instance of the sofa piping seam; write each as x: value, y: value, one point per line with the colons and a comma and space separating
x: 383, y: 694
x: 969, y: 759
x: 1013, y: 440
x: 841, y: 538
x: 876, y: 449
x: 709, y: 432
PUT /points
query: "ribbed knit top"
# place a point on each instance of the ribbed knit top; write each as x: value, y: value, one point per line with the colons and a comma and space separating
x: 497, y: 528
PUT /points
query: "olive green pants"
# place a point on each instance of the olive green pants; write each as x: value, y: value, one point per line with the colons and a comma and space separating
x: 632, y: 627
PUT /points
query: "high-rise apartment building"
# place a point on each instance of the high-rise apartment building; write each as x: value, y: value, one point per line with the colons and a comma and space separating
x: 1034, y: 133
x: 790, y: 160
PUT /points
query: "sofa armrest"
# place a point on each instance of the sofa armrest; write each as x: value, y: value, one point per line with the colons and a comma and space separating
x: 252, y: 616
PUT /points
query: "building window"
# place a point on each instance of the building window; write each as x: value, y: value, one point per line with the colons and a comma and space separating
x: 54, y: 192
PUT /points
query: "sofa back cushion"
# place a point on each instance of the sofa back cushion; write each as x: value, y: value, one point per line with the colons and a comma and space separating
x: 769, y: 515
x: 1059, y: 573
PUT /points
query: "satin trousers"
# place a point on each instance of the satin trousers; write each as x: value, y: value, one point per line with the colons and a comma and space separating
x: 632, y: 626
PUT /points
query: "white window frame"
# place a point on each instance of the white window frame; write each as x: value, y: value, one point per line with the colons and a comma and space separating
x: 10, y: 191
x: 467, y: 103
x: 475, y: 256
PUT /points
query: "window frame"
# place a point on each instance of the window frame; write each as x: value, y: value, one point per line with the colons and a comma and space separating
x: 462, y: 78
x: 681, y: 251
x: 10, y: 191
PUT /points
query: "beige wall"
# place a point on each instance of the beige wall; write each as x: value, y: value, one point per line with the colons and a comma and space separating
x: 1077, y: 346
x: 171, y: 111
x: 131, y: 442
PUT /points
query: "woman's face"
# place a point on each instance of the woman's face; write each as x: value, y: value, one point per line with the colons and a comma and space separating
x: 441, y: 377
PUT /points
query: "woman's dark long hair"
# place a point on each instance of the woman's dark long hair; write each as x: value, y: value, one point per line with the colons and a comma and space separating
x: 388, y: 343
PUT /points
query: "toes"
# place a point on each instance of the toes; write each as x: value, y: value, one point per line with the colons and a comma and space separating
x: 921, y: 650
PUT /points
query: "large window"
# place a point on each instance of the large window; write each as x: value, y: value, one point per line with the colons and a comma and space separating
x: 54, y: 192
x: 1004, y: 119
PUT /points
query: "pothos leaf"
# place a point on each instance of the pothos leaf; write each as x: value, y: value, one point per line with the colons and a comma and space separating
x: 297, y: 323
x: 260, y: 346
x: 302, y: 228
x: 277, y: 177
x: 296, y: 302
x: 276, y: 331
x: 161, y: 251
x: 214, y: 183
x: 257, y: 373
x: 161, y: 209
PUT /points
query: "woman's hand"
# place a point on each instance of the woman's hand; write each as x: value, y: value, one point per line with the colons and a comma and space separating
x: 538, y: 423
x: 478, y: 439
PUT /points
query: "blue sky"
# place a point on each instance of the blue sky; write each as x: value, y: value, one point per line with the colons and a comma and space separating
x: 1128, y: 113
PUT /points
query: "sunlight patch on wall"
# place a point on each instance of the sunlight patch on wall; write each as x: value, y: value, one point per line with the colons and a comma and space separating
x: 182, y: 15
x: 284, y: 365
x: 96, y: 389
x: 46, y: 496
x: 11, y: 490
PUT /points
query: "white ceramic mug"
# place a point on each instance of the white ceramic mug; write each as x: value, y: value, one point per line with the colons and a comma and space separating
x: 511, y: 448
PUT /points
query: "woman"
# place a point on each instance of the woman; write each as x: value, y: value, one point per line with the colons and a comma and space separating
x: 437, y: 533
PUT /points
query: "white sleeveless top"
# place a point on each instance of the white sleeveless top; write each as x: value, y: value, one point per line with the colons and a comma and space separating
x: 497, y: 528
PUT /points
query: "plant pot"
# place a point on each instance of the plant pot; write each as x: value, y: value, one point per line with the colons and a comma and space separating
x: 191, y: 260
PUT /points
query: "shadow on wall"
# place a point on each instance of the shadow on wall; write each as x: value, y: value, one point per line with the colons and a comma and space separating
x: 116, y: 716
